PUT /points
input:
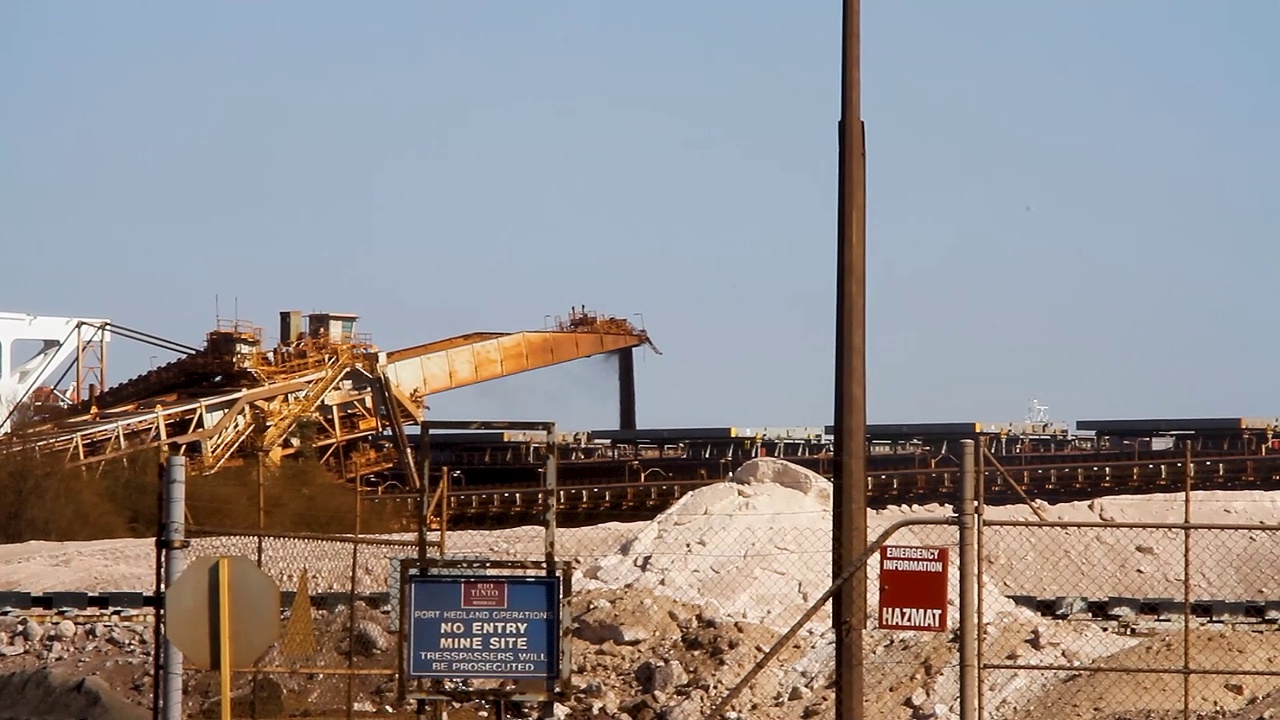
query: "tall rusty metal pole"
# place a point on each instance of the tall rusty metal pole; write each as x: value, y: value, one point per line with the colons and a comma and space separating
x: 849, y: 531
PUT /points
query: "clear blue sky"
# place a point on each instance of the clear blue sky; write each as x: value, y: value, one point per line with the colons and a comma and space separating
x: 1075, y: 201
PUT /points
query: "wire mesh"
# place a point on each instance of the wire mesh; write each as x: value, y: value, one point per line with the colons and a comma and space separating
x: 1120, y: 618
x: 1091, y: 616
x: 335, y: 656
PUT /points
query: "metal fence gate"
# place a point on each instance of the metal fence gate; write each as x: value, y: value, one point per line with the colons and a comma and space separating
x: 1129, y: 618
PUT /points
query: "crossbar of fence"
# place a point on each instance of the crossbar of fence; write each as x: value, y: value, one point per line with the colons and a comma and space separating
x: 1127, y: 525
x: 206, y: 532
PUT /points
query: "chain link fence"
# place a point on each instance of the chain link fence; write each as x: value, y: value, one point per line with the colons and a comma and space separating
x: 1106, y: 610
x: 1125, y: 618
x: 335, y: 656
x: 666, y: 613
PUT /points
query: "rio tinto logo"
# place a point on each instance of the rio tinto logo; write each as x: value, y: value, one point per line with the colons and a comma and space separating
x: 484, y: 594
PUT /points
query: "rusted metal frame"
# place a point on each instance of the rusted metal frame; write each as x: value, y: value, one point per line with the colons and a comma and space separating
x: 968, y: 517
x: 551, y: 497
x: 397, y: 432
x: 333, y: 428
x: 515, y: 425
x: 202, y: 531
x: 79, y: 394
x: 78, y: 448
x: 1129, y: 525
x: 334, y: 372
x: 1145, y: 670
x: 444, y: 509
x: 327, y: 441
x: 424, y: 516
x: 198, y: 418
x: 355, y: 578
x: 277, y: 670
x: 1012, y: 483
x: 1087, y: 464
x: 207, y: 435
x: 85, y: 461
x: 111, y: 438
x: 1188, y: 475
x: 161, y: 426
x: 437, y: 497
x: 859, y: 562
x: 981, y: 568
x: 224, y: 453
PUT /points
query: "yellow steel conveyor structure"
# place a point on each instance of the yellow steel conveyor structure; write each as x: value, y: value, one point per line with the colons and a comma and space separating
x: 416, y: 372
x: 327, y: 389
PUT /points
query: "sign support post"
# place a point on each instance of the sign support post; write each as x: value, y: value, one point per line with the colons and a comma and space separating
x: 224, y: 634
x: 487, y: 630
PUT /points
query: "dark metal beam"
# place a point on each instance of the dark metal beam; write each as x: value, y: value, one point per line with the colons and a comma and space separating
x: 1156, y: 426
x: 492, y: 425
x: 627, y: 389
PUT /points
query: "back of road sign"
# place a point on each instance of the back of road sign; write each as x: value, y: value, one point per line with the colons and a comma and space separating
x: 191, y: 612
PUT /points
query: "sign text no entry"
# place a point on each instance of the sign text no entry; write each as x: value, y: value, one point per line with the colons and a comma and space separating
x: 484, y: 626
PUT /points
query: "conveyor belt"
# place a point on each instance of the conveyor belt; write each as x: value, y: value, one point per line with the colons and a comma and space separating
x: 583, y: 502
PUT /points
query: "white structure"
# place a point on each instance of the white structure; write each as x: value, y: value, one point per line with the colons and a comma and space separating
x: 48, y: 343
x: 1037, y: 413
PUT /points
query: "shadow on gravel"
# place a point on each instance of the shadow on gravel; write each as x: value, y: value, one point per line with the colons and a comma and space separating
x: 47, y: 695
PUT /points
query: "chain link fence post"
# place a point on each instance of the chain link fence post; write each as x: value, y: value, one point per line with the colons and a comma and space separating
x: 174, y: 563
x: 968, y: 585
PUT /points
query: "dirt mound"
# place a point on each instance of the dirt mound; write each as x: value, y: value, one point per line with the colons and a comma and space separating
x: 49, y: 695
x: 1146, y: 696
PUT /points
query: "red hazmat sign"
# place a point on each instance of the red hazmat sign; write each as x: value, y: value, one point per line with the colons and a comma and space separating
x: 913, y: 588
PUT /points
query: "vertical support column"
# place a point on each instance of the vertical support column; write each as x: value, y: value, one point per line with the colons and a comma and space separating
x: 849, y: 519
x: 969, y: 621
x: 355, y: 592
x: 175, y: 531
x: 224, y: 636
x: 81, y: 375
x: 157, y: 629
x: 262, y: 511
x: 102, y: 357
x: 627, y: 389
x: 262, y: 529
x: 424, y: 486
x: 551, y: 484
x: 981, y: 569
x: 435, y: 709
x: 1186, y: 579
